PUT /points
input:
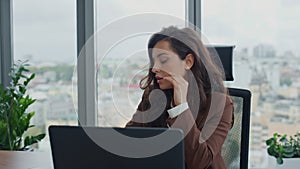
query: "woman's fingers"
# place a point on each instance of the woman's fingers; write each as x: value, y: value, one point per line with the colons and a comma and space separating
x: 180, y: 86
x: 170, y: 79
x: 175, y: 78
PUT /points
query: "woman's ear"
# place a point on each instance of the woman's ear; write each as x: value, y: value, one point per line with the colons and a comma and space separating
x: 189, y: 61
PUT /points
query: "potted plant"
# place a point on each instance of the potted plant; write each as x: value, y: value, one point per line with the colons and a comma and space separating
x: 14, y: 119
x: 281, y: 147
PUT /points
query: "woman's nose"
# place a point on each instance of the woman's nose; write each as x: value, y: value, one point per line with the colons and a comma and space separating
x: 155, y: 68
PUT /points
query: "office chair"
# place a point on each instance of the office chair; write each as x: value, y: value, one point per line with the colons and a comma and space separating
x: 236, y: 146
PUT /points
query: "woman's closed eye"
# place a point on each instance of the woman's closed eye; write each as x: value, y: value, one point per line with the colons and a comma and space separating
x: 163, y: 60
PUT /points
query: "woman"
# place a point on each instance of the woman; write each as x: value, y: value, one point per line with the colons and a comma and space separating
x: 195, y: 100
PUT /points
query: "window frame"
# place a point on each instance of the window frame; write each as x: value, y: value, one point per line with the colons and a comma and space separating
x: 87, y: 111
x: 6, y: 47
x: 194, y: 14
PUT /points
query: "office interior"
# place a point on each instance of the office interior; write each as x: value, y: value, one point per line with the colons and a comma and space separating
x: 81, y: 77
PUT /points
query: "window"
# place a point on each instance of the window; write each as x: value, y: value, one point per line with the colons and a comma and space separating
x: 45, y: 35
x: 119, y: 69
x: 266, y: 34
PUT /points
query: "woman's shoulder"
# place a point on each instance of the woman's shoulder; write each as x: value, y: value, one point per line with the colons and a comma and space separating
x: 225, y: 104
x: 221, y: 97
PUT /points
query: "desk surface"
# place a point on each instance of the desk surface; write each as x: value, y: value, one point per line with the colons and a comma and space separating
x: 25, y: 160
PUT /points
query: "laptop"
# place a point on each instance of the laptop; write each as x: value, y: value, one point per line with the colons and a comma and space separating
x: 77, y: 147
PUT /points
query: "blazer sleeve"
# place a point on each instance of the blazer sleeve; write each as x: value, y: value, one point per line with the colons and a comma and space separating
x: 132, y: 123
x: 202, y: 146
x: 137, y: 119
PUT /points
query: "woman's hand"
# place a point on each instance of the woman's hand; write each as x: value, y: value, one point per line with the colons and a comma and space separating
x: 180, y: 86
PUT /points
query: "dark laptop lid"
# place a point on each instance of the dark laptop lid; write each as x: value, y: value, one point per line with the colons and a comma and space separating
x: 116, y: 148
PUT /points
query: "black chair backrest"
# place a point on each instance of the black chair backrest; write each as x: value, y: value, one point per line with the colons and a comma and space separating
x: 236, y: 146
x: 225, y: 54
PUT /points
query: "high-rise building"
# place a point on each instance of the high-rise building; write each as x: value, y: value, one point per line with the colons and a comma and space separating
x: 264, y: 51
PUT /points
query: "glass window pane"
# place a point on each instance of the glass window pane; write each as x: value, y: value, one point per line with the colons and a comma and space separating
x: 266, y: 35
x: 122, y: 67
x: 44, y: 34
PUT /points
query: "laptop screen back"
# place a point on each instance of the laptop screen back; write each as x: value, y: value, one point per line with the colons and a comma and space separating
x: 97, y: 148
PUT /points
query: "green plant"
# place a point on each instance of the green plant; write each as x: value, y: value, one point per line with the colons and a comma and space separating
x: 281, y: 147
x: 14, y: 120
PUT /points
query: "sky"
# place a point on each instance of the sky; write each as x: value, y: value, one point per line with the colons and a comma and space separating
x: 45, y: 30
x: 248, y: 23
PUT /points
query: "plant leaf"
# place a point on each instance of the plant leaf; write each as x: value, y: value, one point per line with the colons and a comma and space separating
x: 288, y: 149
x: 270, y: 141
x: 271, y: 151
x: 279, y: 160
x: 29, y: 140
x: 288, y: 155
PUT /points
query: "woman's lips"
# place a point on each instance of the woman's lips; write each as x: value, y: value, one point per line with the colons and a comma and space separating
x: 159, y: 79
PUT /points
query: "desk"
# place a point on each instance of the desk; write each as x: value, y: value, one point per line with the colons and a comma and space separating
x: 25, y: 160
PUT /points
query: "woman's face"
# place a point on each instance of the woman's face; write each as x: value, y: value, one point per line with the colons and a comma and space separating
x: 166, y: 61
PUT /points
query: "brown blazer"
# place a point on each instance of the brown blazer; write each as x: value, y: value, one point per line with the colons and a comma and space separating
x: 204, y: 136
